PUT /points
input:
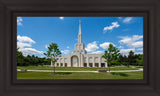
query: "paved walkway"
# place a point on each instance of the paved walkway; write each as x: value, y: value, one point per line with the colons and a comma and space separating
x: 82, y: 71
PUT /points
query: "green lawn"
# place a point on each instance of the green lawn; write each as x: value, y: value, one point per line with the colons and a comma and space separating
x: 75, y: 68
x: 78, y: 75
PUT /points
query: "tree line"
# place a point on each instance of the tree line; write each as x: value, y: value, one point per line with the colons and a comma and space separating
x: 113, y: 57
x: 131, y: 59
x: 31, y: 60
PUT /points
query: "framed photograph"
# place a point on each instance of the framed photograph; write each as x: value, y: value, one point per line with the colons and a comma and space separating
x: 85, y: 48
x: 79, y: 48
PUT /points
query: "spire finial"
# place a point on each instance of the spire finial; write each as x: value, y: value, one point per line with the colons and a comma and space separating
x: 79, y: 21
x: 79, y: 34
x: 79, y: 26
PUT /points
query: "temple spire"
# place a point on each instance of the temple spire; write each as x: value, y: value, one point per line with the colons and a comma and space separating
x: 79, y: 26
x: 79, y: 34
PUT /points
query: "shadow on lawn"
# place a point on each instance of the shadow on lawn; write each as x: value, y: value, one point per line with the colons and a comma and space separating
x: 121, y: 74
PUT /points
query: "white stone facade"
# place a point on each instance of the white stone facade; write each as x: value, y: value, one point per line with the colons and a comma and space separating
x: 79, y: 57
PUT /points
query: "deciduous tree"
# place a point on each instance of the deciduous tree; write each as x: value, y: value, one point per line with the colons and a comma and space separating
x: 52, y: 53
x: 110, y: 55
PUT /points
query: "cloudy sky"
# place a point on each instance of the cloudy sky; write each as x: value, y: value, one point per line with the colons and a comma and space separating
x: 34, y: 34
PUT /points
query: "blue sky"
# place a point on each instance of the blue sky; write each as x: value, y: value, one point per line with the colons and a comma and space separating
x: 34, y: 34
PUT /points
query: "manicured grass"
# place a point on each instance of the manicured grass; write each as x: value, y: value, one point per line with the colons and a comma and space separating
x: 79, y: 75
x: 75, y: 68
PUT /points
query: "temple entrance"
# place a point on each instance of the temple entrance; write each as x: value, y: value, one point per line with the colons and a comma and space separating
x: 90, y: 65
x: 61, y: 64
x: 96, y: 64
x: 102, y: 64
x: 85, y: 64
x: 74, y: 61
x: 65, y: 64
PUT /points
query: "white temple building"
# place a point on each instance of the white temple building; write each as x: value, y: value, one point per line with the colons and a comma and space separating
x: 79, y: 56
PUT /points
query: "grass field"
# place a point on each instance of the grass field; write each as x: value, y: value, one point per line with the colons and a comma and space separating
x: 76, y: 68
x: 78, y: 75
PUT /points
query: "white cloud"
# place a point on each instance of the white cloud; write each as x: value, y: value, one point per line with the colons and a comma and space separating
x: 27, y: 51
x: 19, y: 21
x: 132, y: 41
x: 126, y: 51
x: 105, y: 45
x: 137, y: 37
x: 46, y: 46
x: 139, y: 49
x: 61, y: 18
x: 23, y: 42
x: 97, y: 52
x: 120, y: 18
x: 65, y: 51
x: 138, y: 44
x: 25, y: 39
x: 120, y: 47
x: 92, y: 47
x: 126, y: 40
x: 139, y: 53
x: 114, y: 25
x: 127, y: 19
x: 68, y: 47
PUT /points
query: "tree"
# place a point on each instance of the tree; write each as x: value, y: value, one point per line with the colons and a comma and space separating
x: 110, y: 55
x: 20, y: 58
x: 52, y: 53
x: 120, y: 59
x: 139, y: 60
x: 125, y: 61
x: 19, y: 53
x: 131, y: 58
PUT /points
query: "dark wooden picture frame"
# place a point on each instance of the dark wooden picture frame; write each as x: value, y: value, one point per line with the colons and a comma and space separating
x: 10, y: 9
